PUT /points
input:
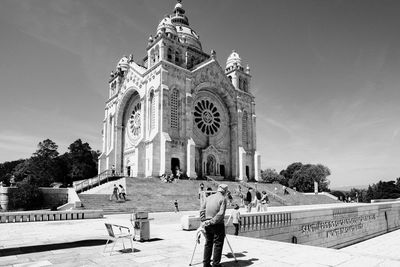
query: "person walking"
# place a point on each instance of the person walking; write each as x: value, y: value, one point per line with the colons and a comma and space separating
x: 264, y: 201
x: 122, y: 193
x: 176, y: 205
x: 212, y: 215
x: 114, y: 193
x: 113, y: 170
x: 235, y: 215
x: 247, y: 200
x: 257, y: 201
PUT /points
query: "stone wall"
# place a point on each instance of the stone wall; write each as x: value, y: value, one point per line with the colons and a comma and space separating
x: 52, y: 197
x: 332, y: 226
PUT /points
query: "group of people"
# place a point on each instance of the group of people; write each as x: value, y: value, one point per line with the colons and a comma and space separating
x: 260, y: 200
x: 118, y: 192
x: 172, y: 177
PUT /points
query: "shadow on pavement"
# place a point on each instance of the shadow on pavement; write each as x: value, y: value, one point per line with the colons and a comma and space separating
x: 240, y: 263
x: 49, y: 247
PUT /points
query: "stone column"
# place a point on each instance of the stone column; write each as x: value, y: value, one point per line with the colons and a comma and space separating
x: 242, y: 163
x: 4, y: 198
x: 257, y: 164
x: 234, y: 164
x: 118, y: 148
x: 191, y: 158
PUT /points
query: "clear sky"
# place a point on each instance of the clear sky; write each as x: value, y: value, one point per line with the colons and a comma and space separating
x: 326, y: 74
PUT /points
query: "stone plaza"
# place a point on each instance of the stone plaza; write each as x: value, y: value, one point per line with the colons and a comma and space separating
x: 81, y: 243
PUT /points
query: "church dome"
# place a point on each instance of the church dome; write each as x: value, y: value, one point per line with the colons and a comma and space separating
x: 233, y: 59
x: 123, y: 64
x: 189, y: 36
x: 167, y: 26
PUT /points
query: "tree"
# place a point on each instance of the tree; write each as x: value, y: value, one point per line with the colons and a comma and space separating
x: 271, y: 176
x: 26, y: 196
x: 303, y: 179
x: 83, y: 161
x: 41, y: 168
x: 46, y: 149
x: 7, y: 169
x: 289, y: 172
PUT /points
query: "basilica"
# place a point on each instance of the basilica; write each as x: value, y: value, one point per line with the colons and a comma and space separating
x: 179, y: 109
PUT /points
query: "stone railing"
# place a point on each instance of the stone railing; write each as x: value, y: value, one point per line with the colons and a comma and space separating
x: 249, y: 221
x: 252, y: 221
x: 104, y: 177
x: 46, y: 215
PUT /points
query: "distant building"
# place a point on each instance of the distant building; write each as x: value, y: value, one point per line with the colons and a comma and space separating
x: 180, y: 109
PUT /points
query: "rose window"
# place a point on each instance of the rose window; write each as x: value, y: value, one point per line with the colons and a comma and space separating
x: 134, y: 121
x: 206, y: 117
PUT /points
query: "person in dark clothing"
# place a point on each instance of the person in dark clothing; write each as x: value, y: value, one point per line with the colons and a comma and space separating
x: 212, y: 215
x: 176, y: 205
x: 248, y: 199
x: 114, y: 193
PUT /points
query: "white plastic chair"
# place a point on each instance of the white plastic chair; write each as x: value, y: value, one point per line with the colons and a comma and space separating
x: 124, y: 232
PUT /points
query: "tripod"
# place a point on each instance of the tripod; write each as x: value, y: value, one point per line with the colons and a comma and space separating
x: 198, y: 241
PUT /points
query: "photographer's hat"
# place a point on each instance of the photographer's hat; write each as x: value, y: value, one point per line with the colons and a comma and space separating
x: 222, y: 188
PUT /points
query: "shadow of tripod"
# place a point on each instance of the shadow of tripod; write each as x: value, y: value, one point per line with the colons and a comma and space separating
x: 200, y: 232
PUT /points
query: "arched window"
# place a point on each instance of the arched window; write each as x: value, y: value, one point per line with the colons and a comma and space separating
x: 175, y: 109
x: 152, y: 110
x: 244, y: 129
x: 230, y: 78
x: 169, y: 54
x: 240, y: 83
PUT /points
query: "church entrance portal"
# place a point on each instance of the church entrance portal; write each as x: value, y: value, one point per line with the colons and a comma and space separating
x: 174, y: 165
x: 222, y: 170
x: 128, y: 171
x: 211, y: 162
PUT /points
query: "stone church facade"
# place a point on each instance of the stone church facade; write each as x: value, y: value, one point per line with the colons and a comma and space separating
x: 179, y: 108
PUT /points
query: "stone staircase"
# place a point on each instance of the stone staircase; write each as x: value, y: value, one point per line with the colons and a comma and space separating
x: 150, y: 194
x: 294, y: 197
x: 153, y: 195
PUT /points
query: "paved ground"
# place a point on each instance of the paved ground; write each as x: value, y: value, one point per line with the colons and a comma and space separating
x: 81, y: 243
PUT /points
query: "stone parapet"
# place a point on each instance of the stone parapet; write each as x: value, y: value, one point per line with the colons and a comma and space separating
x: 46, y: 215
x: 333, y: 226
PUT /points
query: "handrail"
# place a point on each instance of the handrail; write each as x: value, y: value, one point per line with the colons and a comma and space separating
x: 96, y: 181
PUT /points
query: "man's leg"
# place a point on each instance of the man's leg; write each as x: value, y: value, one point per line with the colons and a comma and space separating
x: 208, y: 246
x: 219, y: 237
x: 236, y: 228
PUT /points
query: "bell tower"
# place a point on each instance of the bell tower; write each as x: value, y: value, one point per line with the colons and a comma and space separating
x: 239, y: 77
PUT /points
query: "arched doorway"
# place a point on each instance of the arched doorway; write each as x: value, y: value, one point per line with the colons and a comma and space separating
x: 211, y: 165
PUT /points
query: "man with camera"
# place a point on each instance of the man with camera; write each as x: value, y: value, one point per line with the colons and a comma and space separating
x: 212, y: 213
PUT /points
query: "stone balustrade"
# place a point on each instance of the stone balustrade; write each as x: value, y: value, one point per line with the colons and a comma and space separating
x: 330, y: 225
x: 256, y: 221
x: 46, y: 215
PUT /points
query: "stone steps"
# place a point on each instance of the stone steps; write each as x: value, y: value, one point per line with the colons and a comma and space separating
x: 153, y: 195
